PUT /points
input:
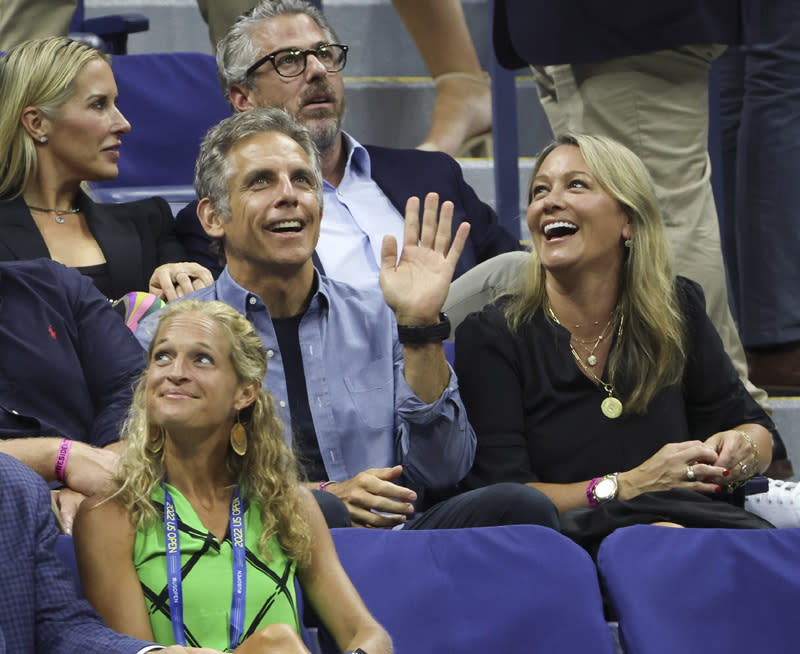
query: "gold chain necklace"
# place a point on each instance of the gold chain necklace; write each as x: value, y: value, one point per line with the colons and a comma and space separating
x: 592, y: 359
x: 610, y: 406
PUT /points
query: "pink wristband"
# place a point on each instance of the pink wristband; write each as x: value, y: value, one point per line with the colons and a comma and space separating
x: 590, y: 491
x: 61, y: 458
x: 323, y: 485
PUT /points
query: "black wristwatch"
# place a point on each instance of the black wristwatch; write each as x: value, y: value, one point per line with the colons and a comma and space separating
x: 425, y: 333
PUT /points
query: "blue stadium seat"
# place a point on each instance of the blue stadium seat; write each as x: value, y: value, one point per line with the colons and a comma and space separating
x: 112, y: 30
x: 521, y: 588
x: 691, y: 590
x: 170, y: 100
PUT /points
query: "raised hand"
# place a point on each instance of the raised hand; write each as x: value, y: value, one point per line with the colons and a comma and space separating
x: 416, y: 286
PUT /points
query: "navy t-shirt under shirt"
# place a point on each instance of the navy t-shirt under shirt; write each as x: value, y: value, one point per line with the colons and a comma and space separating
x: 304, y: 436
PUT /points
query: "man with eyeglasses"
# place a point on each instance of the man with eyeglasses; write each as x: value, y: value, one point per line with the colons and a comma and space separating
x: 285, y: 54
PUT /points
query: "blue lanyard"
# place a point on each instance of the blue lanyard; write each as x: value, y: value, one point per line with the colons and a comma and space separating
x: 174, y: 580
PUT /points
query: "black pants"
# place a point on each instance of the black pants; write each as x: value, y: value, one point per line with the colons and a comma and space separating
x: 333, y: 509
x: 491, y: 506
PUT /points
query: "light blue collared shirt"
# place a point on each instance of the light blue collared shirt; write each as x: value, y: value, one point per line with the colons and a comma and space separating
x: 356, y: 216
x: 364, y: 412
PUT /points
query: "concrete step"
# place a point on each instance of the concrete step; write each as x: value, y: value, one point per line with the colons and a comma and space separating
x: 395, y: 112
x: 479, y: 174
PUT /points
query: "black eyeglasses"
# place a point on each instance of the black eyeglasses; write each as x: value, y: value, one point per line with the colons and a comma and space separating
x: 291, y: 62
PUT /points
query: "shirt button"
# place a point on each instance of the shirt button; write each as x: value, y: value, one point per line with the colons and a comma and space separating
x: 270, y: 354
x: 282, y: 403
x: 252, y: 300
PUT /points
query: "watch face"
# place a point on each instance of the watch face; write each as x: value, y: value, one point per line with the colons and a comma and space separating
x: 606, y: 489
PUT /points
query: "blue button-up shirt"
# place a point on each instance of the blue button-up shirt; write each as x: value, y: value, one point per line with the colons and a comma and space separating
x: 364, y: 412
x: 356, y: 218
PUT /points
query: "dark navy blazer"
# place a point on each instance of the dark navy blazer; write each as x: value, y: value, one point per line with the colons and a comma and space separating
x: 39, y: 607
x: 135, y: 237
x: 399, y: 174
x: 67, y: 360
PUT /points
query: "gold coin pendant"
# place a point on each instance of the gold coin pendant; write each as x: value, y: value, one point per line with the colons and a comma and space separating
x: 611, y: 407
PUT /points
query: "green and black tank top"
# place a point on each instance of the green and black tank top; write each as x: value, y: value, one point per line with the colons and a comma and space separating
x: 207, y: 573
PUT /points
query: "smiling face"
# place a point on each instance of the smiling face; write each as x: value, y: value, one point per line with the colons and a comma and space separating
x: 575, y: 224
x: 274, y: 207
x: 315, y: 98
x: 84, y: 138
x: 191, y: 382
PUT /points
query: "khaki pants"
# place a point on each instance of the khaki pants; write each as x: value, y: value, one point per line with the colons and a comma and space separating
x: 221, y: 14
x: 21, y: 20
x: 657, y: 105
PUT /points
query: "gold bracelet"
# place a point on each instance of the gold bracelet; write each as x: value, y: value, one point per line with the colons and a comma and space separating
x: 753, y: 446
x: 736, y: 484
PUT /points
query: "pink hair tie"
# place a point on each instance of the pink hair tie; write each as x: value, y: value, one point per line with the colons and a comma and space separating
x: 61, y: 458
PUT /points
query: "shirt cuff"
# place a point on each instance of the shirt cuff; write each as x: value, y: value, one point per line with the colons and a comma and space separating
x: 408, y: 404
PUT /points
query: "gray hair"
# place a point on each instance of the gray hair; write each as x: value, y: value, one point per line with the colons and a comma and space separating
x: 237, y: 50
x: 213, y: 171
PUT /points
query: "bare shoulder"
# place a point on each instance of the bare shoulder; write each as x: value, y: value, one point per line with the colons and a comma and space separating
x: 103, y: 518
x: 310, y: 509
x: 306, y: 497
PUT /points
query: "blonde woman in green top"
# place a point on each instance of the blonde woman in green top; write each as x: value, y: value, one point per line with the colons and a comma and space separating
x: 200, y: 543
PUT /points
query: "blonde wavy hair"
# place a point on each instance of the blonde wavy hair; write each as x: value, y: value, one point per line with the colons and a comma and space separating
x: 267, y: 473
x: 37, y: 73
x: 650, y: 355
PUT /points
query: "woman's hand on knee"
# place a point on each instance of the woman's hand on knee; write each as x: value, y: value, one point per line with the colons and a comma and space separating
x: 277, y: 638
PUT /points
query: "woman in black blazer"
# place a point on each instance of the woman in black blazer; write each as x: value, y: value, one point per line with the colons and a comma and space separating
x: 59, y: 128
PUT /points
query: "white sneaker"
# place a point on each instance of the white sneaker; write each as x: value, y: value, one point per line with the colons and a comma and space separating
x: 780, y: 505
